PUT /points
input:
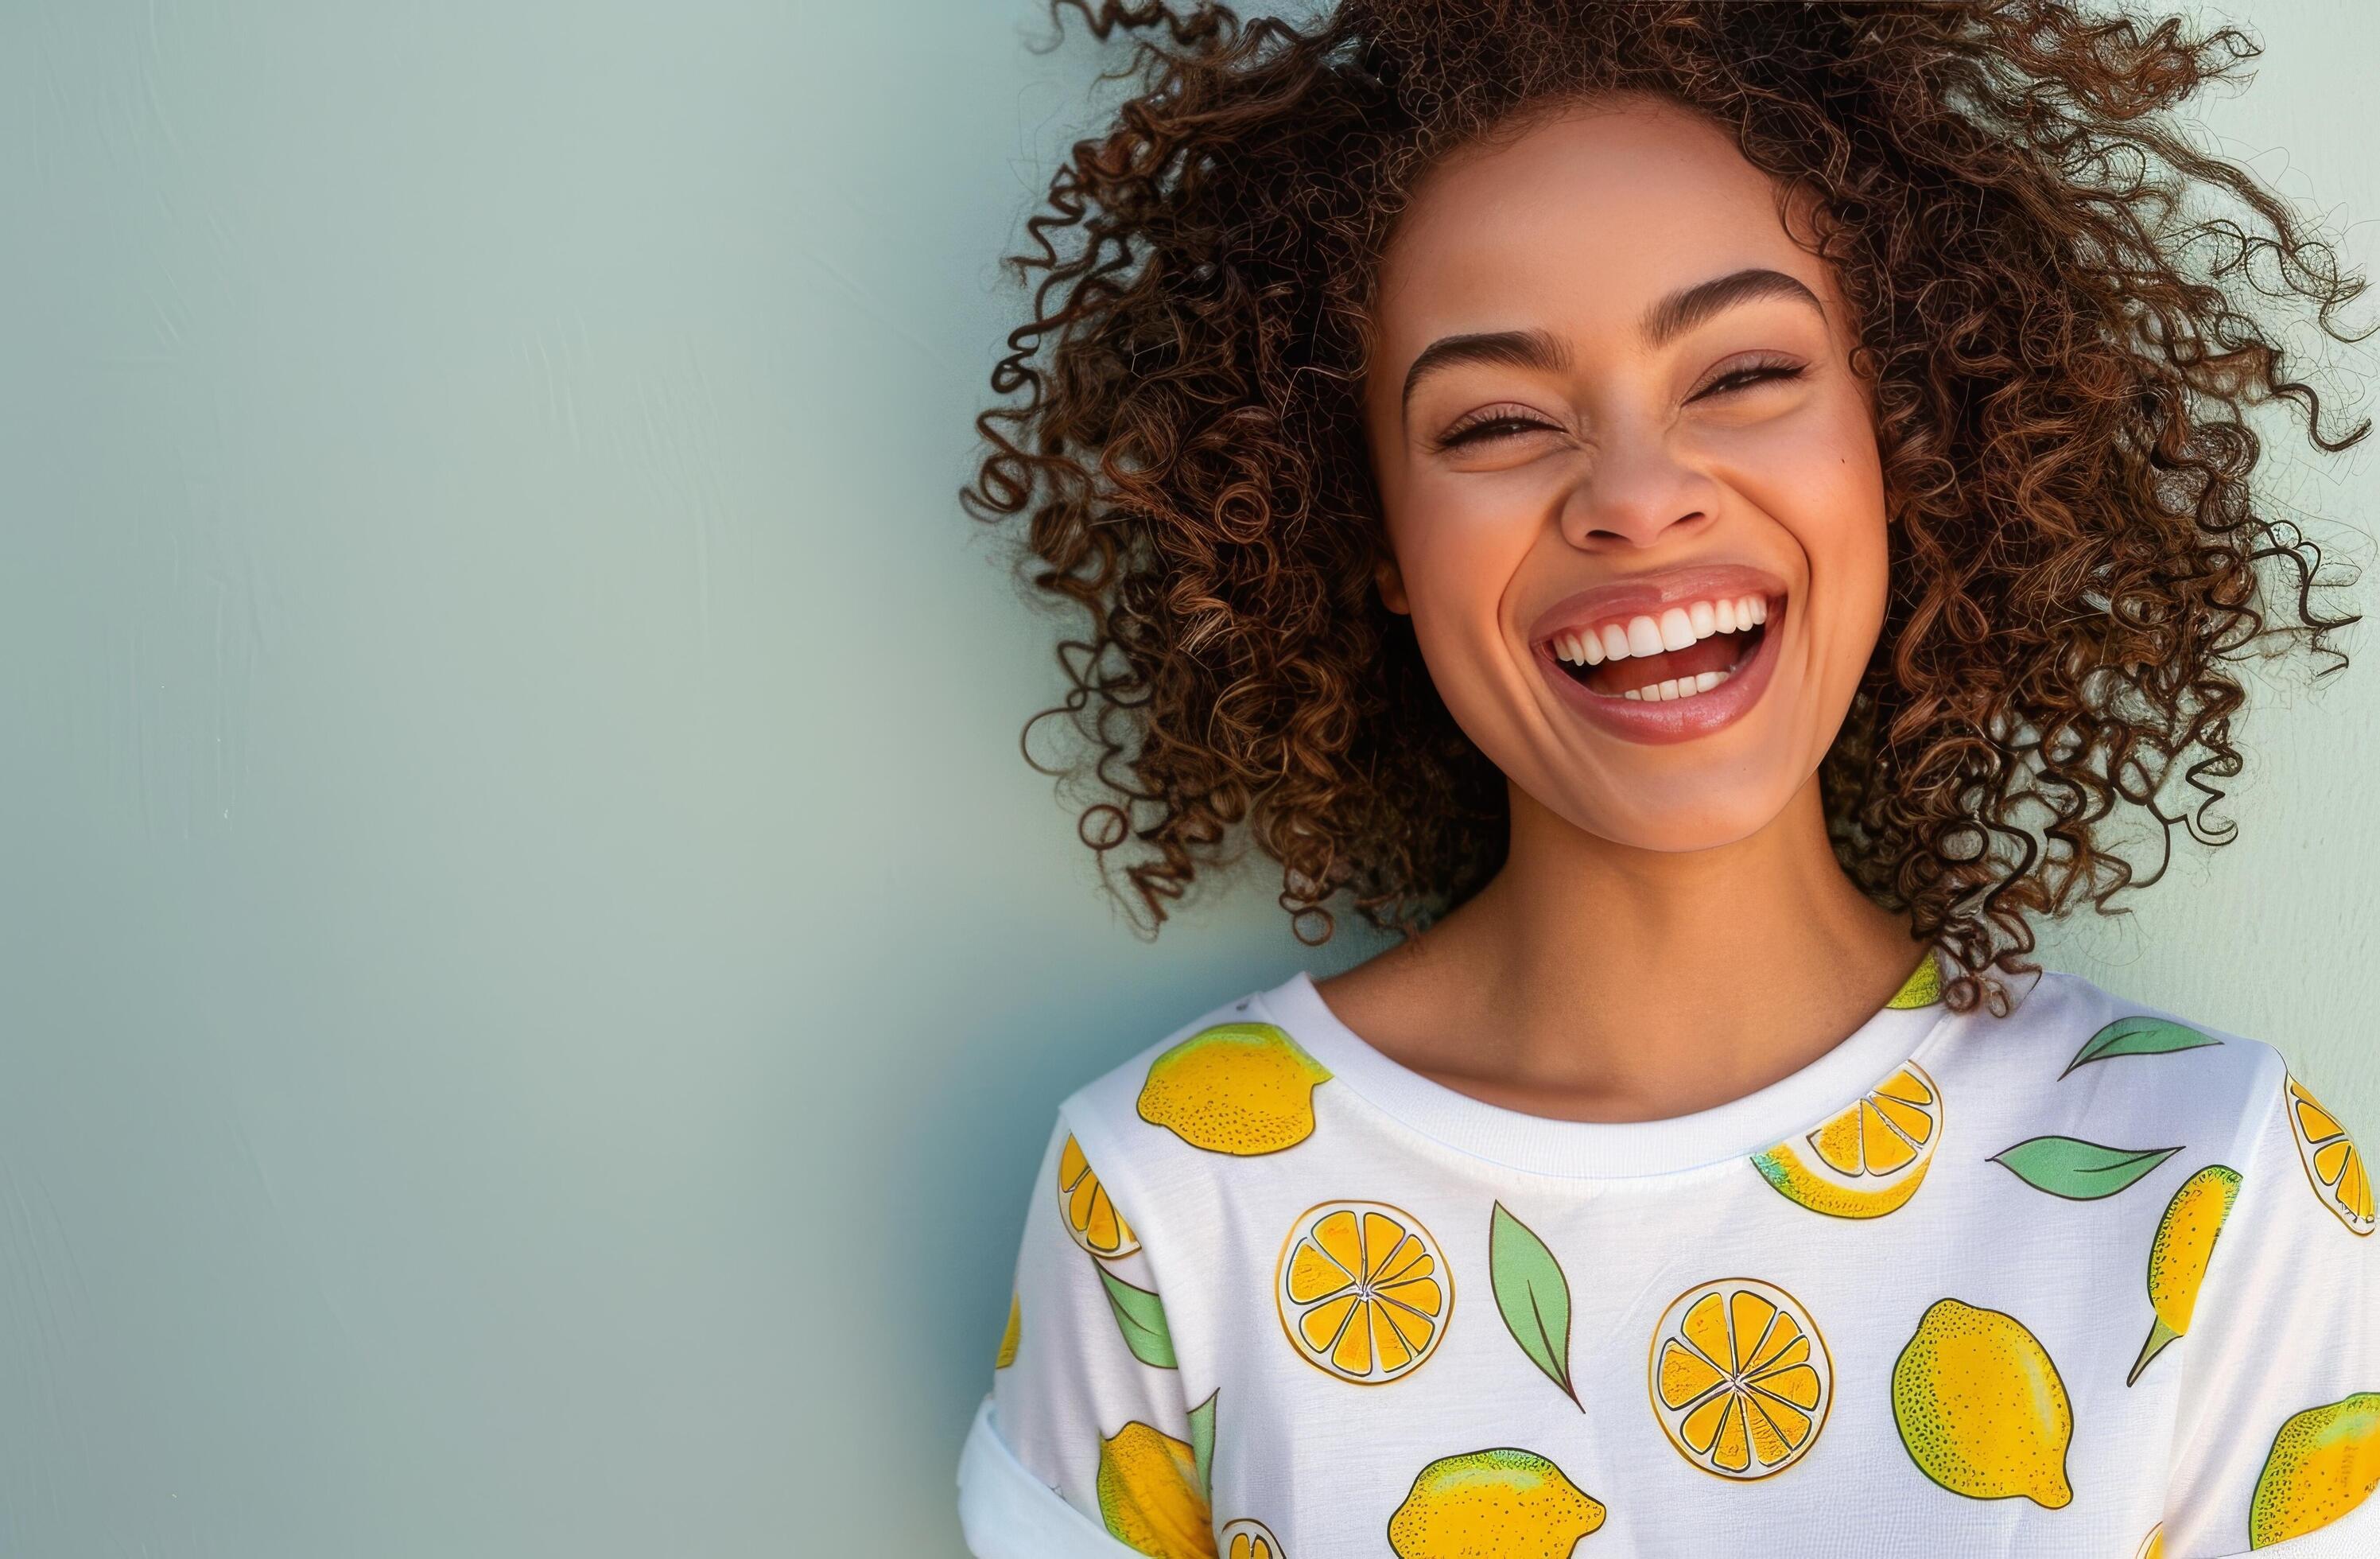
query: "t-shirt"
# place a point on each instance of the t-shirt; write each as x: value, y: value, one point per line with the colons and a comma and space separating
x: 2083, y: 1279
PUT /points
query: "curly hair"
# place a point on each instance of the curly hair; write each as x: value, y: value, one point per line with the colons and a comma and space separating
x: 2061, y: 301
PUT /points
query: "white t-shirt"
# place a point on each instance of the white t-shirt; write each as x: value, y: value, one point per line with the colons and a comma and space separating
x: 1954, y: 1288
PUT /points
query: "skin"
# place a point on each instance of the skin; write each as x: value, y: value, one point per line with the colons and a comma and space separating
x: 1671, y: 929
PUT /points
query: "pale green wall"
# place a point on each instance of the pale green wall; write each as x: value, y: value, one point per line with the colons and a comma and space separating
x: 535, y: 976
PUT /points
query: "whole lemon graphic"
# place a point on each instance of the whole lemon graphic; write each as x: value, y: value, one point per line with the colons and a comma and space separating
x: 2323, y: 1462
x: 1149, y: 1496
x: 2177, y: 1256
x: 1492, y: 1504
x: 1242, y: 1089
x: 1923, y: 986
x: 1981, y: 1408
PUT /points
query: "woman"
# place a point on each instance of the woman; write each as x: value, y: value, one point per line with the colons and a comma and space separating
x: 1709, y: 519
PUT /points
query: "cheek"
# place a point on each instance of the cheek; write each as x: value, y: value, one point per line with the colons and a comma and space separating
x: 1826, y: 446
x: 1459, y: 549
x: 1824, y: 483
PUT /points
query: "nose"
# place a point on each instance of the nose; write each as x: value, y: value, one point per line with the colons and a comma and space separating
x: 1637, y: 494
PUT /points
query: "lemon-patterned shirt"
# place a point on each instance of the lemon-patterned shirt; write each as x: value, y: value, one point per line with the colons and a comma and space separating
x: 2085, y: 1279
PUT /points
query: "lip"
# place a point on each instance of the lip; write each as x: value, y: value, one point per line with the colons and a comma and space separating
x: 1673, y: 720
x: 1650, y: 593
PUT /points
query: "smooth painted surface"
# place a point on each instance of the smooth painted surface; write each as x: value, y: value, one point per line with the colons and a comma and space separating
x: 535, y: 975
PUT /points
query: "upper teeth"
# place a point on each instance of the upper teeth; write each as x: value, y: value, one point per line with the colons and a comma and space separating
x: 1676, y: 627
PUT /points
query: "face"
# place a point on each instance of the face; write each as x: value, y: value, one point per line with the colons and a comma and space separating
x: 1631, y: 482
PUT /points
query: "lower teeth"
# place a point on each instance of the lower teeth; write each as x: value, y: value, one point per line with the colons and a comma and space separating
x: 1678, y: 688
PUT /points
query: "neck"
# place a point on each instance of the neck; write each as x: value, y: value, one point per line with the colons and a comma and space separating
x: 1609, y: 982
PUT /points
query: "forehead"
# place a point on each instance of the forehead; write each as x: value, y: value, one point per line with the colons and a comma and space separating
x: 1577, y: 224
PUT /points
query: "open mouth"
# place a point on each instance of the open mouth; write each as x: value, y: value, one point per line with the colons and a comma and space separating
x: 1683, y: 652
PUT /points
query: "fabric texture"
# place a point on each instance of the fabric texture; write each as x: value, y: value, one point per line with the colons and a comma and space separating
x: 2085, y: 1279
x: 1006, y: 1513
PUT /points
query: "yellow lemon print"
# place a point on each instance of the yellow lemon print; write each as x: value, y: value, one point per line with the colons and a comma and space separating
x: 2177, y: 1256
x: 1149, y: 1496
x: 1492, y: 1504
x: 1242, y: 1089
x: 1740, y: 1379
x: 1008, y: 1338
x: 1362, y: 1290
x: 1250, y: 1540
x: 2323, y: 1462
x: 1091, y: 1218
x: 2153, y: 1545
x: 1870, y: 1159
x: 1923, y: 986
x: 1980, y: 1407
x: 2331, y: 1161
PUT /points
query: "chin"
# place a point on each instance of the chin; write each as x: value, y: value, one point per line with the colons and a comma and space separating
x: 1687, y: 817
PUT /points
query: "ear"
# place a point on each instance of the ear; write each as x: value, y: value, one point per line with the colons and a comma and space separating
x: 1392, y: 583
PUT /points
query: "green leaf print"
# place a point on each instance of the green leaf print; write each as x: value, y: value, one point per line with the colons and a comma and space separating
x: 1533, y: 1295
x: 2079, y: 1171
x: 2139, y: 1036
x: 1141, y: 1319
x: 1202, y: 1442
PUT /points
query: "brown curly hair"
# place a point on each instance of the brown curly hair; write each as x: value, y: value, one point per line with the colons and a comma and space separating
x: 2059, y: 298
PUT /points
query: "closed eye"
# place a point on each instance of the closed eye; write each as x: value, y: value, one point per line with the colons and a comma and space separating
x: 1488, y: 430
x: 1743, y: 378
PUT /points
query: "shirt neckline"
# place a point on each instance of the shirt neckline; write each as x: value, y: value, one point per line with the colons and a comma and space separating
x: 1604, y: 1150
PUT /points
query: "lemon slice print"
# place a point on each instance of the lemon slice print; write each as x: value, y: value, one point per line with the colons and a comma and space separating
x: 1091, y: 1218
x: 1248, y: 1540
x: 1740, y: 1379
x: 1362, y: 1292
x: 1870, y: 1159
x: 2331, y: 1161
x: 2153, y: 1545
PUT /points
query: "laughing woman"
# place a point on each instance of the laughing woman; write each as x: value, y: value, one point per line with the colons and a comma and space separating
x: 1712, y: 520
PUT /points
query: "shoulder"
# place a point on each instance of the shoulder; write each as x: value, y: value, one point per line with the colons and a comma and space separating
x: 1226, y: 1088
x: 2080, y: 1058
x: 1108, y: 1105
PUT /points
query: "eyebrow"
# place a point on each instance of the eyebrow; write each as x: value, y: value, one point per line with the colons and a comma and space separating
x: 1513, y: 348
x: 1681, y: 312
x: 1667, y: 320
